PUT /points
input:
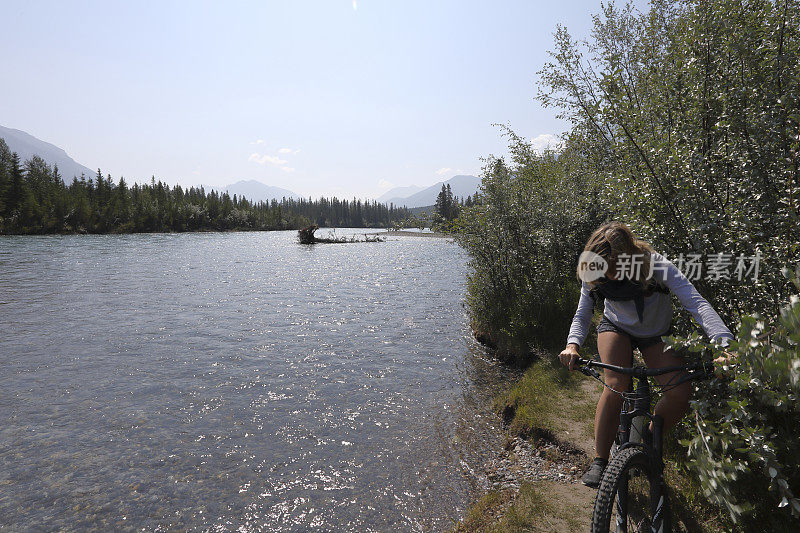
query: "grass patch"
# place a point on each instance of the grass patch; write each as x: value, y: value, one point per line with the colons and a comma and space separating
x: 551, y: 401
x: 528, y: 508
x: 538, y: 507
x: 483, y: 513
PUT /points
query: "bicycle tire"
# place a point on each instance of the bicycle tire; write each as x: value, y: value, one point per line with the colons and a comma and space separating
x: 624, y: 464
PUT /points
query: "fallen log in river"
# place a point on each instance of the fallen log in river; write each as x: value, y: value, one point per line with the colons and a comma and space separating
x: 306, y: 236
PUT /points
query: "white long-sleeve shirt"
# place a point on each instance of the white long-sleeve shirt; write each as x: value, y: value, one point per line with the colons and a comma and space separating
x: 657, y: 315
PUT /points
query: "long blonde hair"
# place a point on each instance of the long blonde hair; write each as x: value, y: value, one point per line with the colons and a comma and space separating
x: 614, y: 238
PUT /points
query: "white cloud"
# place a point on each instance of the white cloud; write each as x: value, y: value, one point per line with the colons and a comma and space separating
x: 545, y: 141
x: 259, y: 141
x: 355, y: 5
x: 264, y: 159
x: 443, y: 171
x: 385, y: 184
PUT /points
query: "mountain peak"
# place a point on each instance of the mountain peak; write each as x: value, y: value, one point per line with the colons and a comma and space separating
x: 462, y: 186
x: 27, y: 146
x: 256, y: 191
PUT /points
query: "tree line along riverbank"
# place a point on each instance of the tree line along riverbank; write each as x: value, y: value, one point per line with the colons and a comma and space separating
x: 686, y: 126
x: 35, y: 200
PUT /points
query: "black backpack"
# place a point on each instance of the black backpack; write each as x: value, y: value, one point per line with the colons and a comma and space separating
x: 625, y: 289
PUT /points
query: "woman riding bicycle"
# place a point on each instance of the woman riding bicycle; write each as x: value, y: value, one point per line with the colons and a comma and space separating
x: 637, y: 312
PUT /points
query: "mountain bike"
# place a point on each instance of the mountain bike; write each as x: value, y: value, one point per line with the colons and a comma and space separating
x: 632, y: 491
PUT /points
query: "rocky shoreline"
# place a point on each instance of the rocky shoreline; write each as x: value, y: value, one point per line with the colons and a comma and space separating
x: 523, y: 460
x: 533, y: 483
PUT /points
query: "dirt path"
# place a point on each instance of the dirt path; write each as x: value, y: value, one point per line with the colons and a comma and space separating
x: 534, y: 485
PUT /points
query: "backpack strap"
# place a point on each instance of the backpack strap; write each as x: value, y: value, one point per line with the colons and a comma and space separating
x: 656, y: 286
x: 597, y: 297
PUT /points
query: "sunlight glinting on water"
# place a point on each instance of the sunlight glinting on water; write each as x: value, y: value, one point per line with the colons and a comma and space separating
x: 238, y: 381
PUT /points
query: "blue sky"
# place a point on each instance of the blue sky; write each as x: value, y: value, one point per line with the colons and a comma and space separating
x: 326, y: 97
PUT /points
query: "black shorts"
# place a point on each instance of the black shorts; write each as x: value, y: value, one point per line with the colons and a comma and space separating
x: 636, y: 342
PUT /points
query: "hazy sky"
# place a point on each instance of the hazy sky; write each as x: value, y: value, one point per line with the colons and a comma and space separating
x: 332, y: 97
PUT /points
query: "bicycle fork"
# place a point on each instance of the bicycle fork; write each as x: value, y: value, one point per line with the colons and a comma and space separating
x: 634, y: 431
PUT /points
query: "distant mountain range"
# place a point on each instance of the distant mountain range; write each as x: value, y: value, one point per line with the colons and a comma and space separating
x: 412, y: 196
x: 462, y: 186
x: 26, y: 146
x: 399, y: 192
x: 255, y: 191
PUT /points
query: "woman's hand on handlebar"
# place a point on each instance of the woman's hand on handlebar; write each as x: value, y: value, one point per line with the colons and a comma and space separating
x: 569, y: 356
x: 723, y: 370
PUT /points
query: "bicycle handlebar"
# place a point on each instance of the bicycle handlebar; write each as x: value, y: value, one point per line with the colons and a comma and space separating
x: 639, y: 371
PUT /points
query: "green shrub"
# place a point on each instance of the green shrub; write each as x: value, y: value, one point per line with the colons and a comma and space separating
x: 743, y: 447
x: 532, y: 217
x: 689, y: 114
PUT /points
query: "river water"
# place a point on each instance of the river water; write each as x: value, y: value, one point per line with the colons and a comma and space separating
x: 238, y: 381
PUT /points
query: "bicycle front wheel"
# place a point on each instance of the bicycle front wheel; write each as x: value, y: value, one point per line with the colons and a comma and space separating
x: 629, y: 499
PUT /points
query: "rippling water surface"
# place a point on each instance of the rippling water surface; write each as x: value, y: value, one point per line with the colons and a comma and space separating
x: 238, y: 381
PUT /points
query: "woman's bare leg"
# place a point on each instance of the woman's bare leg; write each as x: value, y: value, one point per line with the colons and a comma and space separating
x: 614, y: 349
x: 674, y: 404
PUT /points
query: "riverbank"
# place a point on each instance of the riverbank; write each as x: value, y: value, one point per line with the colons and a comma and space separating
x: 412, y: 234
x: 548, y: 418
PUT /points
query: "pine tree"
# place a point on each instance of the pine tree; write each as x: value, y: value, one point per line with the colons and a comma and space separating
x: 442, y: 207
x: 15, y: 191
x: 5, y: 160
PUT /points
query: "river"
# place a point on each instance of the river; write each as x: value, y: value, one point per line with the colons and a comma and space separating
x: 238, y: 381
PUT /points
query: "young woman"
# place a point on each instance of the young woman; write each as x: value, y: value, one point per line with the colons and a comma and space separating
x: 637, y: 312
